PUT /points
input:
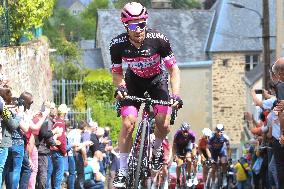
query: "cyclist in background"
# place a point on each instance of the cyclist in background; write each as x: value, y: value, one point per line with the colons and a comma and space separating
x: 204, y: 151
x: 148, y: 54
x: 184, y: 149
x: 218, y: 146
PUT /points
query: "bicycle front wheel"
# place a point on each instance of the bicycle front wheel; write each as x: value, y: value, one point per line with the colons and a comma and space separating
x: 138, y: 162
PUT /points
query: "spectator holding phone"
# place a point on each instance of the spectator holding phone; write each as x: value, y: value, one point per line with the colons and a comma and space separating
x: 277, y: 76
x: 268, y: 98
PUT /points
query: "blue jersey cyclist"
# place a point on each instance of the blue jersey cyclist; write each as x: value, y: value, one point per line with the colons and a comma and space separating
x: 184, y: 149
x: 148, y: 54
x: 219, y: 147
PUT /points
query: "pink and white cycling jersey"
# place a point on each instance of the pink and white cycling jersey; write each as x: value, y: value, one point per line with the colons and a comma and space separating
x: 145, y: 61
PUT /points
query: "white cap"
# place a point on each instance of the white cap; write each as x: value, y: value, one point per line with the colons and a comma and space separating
x: 207, y: 132
x: 63, y: 108
x: 100, y: 131
x: 93, y: 124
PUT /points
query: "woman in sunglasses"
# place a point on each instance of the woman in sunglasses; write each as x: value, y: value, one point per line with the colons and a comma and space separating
x: 148, y: 54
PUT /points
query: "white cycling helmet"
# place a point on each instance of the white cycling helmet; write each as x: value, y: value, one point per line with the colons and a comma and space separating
x: 207, y: 132
x: 185, y: 126
x: 133, y: 11
x: 220, y: 127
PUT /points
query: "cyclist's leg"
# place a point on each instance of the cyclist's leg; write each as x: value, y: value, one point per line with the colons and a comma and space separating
x: 204, y: 157
x: 214, y: 156
x: 158, y: 90
x: 188, y: 158
x: 224, y: 166
x: 179, y: 162
x: 224, y: 161
x: 129, y: 113
x: 194, y: 158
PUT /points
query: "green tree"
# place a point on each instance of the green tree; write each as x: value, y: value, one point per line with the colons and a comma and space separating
x: 186, y: 4
x: 91, y: 10
x: 25, y: 15
x: 89, y: 18
x: 66, y: 61
x: 176, y: 4
x: 62, y: 22
x: 120, y: 3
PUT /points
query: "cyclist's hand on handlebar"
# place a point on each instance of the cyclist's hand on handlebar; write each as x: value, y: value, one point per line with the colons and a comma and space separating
x: 177, y: 101
x: 120, y: 92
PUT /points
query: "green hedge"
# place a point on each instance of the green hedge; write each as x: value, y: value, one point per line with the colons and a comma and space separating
x: 99, y: 90
x: 98, y: 93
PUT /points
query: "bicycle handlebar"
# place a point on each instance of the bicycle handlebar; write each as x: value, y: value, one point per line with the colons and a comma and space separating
x: 149, y: 102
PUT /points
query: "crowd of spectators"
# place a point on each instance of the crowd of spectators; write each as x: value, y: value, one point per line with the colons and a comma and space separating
x: 261, y: 167
x: 39, y: 149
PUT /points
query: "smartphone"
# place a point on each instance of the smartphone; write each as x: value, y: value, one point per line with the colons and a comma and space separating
x: 258, y: 91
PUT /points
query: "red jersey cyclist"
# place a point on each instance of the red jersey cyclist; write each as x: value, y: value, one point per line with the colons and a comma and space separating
x: 184, y: 149
x: 204, y: 151
x: 148, y: 54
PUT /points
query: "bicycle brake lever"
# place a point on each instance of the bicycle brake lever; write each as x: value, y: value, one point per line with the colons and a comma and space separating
x: 173, y: 116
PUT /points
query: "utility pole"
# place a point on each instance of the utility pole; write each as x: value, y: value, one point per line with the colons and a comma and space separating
x: 265, y: 42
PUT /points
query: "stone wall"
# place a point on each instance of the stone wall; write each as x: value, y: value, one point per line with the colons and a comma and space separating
x: 229, y: 93
x: 195, y: 92
x: 28, y: 69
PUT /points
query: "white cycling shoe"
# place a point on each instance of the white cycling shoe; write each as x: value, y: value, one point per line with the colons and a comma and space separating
x: 195, y: 180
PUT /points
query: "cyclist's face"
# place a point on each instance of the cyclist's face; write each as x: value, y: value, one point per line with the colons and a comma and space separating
x: 136, y: 30
x: 219, y: 133
x: 206, y: 137
x: 185, y: 133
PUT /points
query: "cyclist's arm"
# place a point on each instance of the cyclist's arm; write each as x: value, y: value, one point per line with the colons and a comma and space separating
x: 229, y: 150
x: 174, y: 150
x: 117, y: 79
x: 255, y: 99
x: 175, y: 79
x: 170, y: 153
x: 194, y: 149
x: 208, y: 152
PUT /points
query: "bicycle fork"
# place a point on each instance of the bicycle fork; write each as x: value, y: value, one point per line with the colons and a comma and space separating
x: 145, y: 129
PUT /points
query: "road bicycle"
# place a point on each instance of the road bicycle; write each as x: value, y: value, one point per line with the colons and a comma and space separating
x: 185, y: 178
x: 139, y: 161
x: 210, y: 183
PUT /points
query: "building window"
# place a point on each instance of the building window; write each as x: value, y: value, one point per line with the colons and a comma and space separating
x: 251, y: 61
x: 225, y: 62
x: 74, y: 12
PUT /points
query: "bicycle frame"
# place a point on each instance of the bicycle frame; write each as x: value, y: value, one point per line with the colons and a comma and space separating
x: 139, y: 167
x: 184, y: 172
x: 218, y: 175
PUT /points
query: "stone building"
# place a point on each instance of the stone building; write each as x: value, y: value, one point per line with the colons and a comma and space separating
x: 219, y: 53
x: 74, y: 6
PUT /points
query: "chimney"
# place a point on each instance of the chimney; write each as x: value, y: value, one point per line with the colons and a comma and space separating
x: 161, y: 4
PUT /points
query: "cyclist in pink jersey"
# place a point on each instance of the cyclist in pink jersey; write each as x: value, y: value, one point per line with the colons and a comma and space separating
x: 150, y: 59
